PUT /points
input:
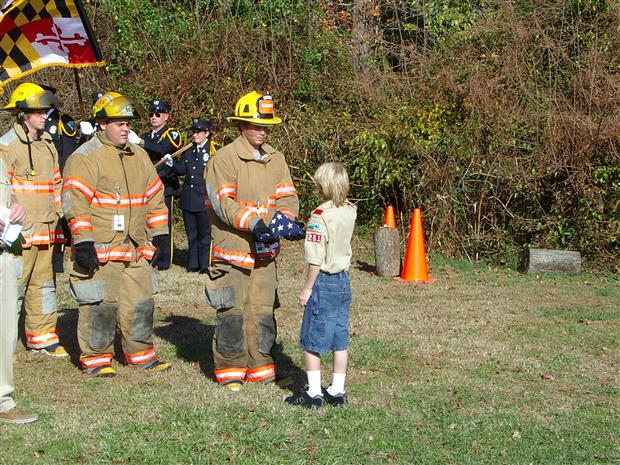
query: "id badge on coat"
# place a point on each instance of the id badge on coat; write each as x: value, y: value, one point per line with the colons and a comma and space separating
x: 118, y: 223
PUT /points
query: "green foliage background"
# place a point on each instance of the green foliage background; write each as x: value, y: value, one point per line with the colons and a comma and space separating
x: 499, y: 118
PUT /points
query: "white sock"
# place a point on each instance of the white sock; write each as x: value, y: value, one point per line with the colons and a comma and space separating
x: 314, y: 383
x: 337, y: 386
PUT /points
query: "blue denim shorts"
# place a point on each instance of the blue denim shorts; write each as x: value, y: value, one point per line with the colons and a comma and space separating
x: 325, y: 326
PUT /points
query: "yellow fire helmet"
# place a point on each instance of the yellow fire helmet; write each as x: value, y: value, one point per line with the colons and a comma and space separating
x: 29, y: 96
x: 114, y: 106
x: 255, y: 108
x: 103, y: 101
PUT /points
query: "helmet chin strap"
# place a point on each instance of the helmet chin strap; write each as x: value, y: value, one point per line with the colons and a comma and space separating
x: 21, y: 117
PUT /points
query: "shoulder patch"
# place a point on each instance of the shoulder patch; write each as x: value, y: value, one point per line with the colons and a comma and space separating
x: 313, y: 237
x: 318, y: 211
x: 174, y: 137
x: 315, y: 227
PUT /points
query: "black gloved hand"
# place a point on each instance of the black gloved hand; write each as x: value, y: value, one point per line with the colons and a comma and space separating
x: 262, y: 234
x: 85, y: 255
x: 160, y: 244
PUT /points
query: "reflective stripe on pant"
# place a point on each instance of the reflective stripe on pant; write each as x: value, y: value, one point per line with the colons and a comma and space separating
x: 37, y: 287
x: 8, y: 329
x: 125, y: 300
x: 245, y: 333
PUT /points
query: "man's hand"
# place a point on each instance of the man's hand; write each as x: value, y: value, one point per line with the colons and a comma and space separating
x: 133, y: 137
x: 85, y: 255
x: 262, y: 234
x: 304, y: 296
x: 168, y: 160
x: 17, y: 213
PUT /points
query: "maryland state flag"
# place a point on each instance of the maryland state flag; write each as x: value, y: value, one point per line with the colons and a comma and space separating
x: 39, y: 33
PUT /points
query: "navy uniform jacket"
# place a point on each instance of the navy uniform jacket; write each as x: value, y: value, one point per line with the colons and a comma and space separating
x: 64, y: 134
x: 192, y: 165
x: 158, y: 144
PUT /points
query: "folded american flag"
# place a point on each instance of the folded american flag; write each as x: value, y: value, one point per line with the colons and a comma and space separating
x: 283, y: 227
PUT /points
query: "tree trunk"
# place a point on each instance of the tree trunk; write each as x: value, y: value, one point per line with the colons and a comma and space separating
x: 387, y: 251
x: 540, y: 261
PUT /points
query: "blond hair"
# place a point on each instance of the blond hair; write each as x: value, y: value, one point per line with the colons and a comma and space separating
x: 332, y: 182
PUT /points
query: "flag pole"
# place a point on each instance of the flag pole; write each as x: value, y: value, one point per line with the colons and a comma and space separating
x: 76, y: 75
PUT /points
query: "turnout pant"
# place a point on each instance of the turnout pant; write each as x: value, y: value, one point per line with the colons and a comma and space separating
x: 199, y: 239
x: 119, y: 294
x: 245, y: 327
x: 8, y: 329
x: 37, y: 290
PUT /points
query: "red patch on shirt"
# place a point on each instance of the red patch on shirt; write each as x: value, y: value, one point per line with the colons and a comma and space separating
x: 314, y: 237
x: 318, y: 211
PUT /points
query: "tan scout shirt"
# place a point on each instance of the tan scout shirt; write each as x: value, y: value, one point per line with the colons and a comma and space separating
x: 113, y: 196
x: 39, y: 191
x: 328, y: 237
x: 240, y: 191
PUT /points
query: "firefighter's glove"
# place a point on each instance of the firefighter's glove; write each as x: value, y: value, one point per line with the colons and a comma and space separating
x: 282, y: 226
x: 262, y: 234
x: 86, y: 128
x: 85, y: 255
x: 133, y: 137
x: 159, y: 242
x: 168, y: 160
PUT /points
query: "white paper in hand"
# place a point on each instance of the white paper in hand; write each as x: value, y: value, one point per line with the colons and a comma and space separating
x: 11, y: 231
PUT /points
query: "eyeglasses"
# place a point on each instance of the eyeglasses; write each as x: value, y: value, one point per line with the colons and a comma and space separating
x: 157, y: 115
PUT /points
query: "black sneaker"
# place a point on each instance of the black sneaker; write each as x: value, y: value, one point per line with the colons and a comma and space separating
x: 337, y: 400
x: 302, y: 399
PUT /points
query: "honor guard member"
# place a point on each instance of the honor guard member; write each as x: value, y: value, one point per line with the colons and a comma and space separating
x: 192, y: 164
x: 32, y: 163
x: 9, y: 314
x: 159, y: 141
x: 247, y: 182
x: 63, y: 129
x: 114, y: 203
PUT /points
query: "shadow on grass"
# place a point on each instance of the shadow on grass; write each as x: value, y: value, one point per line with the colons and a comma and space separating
x: 365, y: 267
x: 179, y: 257
x: 66, y: 326
x: 192, y: 339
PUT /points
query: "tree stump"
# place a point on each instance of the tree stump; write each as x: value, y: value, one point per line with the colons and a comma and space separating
x: 387, y: 252
x: 540, y: 261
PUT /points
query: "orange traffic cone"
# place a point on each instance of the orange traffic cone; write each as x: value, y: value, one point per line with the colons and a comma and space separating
x: 389, y: 220
x: 415, y: 269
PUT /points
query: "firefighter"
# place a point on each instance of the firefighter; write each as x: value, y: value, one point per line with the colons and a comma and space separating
x: 32, y: 162
x: 192, y: 164
x: 162, y: 140
x: 113, y: 201
x: 247, y: 181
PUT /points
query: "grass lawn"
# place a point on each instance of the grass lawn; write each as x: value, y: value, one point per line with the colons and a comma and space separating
x: 485, y: 366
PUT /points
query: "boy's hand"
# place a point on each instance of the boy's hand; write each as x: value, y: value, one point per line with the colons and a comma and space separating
x: 304, y: 296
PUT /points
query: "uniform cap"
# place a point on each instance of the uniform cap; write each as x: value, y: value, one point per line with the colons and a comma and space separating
x: 199, y: 124
x: 159, y: 106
